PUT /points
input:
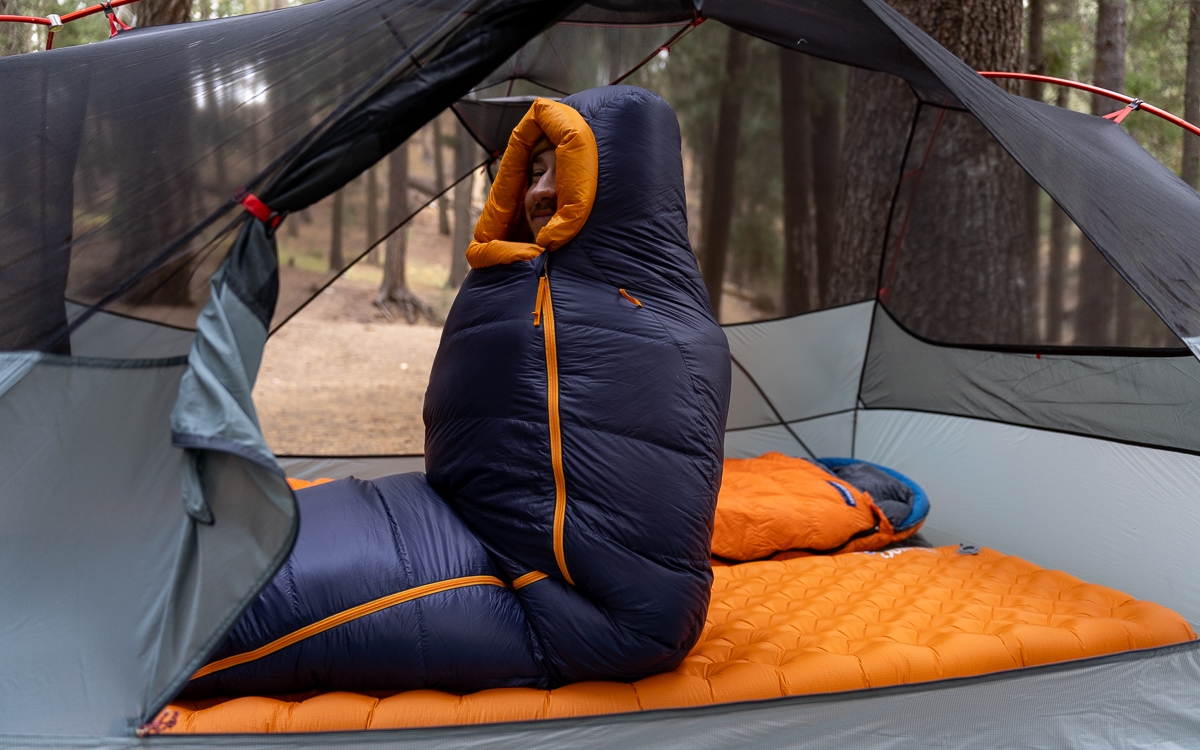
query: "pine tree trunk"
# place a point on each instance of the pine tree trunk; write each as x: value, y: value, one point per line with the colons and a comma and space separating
x: 1035, y: 48
x: 828, y: 87
x: 719, y: 183
x: 337, y: 210
x: 394, y: 289
x: 439, y: 178
x: 1094, y: 314
x: 1191, y: 97
x: 1110, y: 54
x: 14, y: 37
x: 373, y: 230
x: 879, y: 112
x: 1036, y: 64
x: 1060, y: 246
x: 795, y: 107
x: 162, y: 12
x: 965, y: 274
x: 394, y: 278
x: 463, y: 229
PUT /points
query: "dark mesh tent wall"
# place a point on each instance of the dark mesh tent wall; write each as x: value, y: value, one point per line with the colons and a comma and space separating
x: 166, y: 140
x: 143, y: 164
x: 850, y: 190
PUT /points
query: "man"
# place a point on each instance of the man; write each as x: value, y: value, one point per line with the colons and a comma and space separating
x: 574, y: 425
x: 541, y: 200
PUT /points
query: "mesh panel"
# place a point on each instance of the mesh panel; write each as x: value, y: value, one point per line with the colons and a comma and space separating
x: 145, y: 144
x: 977, y: 254
x: 573, y: 56
x: 319, y: 244
x: 792, y: 166
x: 763, y: 200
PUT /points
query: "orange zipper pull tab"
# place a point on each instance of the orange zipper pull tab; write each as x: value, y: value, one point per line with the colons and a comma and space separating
x: 543, y: 288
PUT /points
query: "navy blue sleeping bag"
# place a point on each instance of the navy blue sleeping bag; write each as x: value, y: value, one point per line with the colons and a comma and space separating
x: 574, y: 426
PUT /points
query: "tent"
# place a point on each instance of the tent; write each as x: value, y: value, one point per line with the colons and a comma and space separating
x: 142, y: 509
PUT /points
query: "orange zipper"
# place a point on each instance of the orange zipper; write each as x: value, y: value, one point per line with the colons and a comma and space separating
x: 345, y: 616
x: 544, y: 313
x: 532, y: 576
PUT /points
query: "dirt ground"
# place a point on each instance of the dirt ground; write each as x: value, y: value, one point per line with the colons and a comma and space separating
x: 340, y: 379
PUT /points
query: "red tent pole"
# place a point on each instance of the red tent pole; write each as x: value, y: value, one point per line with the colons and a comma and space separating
x: 1097, y: 90
x: 55, y: 23
x: 25, y: 19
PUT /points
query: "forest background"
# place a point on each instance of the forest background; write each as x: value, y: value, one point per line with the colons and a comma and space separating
x: 791, y: 167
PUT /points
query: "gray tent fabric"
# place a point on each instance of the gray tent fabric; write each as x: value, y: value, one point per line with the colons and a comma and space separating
x: 822, y: 27
x: 1135, y: 398
x: 1077, y: 462
x: 121, y: 337
x: 806, y: 366
x: 1110, y: 513
x: 310, y: 468
x: 215, y: 410
x: 831, y: 435
x: 1090, y: 704
x: 110, y: 589
x: 138, y: 553
x: 16, y: 365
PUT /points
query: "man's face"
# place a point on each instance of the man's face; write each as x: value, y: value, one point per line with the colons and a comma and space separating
x: 541, y: 199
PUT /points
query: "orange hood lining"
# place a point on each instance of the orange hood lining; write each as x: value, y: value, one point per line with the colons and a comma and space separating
x: 577, y: 166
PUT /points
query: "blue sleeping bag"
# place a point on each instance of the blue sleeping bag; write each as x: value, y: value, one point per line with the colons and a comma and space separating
x: 574, y: 425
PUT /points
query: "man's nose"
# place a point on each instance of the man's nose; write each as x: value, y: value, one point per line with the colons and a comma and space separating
x: 544, y: 189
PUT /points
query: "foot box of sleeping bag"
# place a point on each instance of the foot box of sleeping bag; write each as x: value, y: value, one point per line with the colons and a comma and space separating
x: 776, y: 628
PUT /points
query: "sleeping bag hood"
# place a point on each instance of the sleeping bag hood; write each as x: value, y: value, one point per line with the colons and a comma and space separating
x: 574, y: 431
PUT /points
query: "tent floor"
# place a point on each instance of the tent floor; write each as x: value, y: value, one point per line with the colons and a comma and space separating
x: 803, y: 626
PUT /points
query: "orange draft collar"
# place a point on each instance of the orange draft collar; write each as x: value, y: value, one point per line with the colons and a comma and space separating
x: 577, y: 169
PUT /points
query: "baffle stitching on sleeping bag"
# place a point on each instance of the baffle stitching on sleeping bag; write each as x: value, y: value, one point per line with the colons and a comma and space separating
x: 290, y: 575
x: 576, y: 425
x: 345, y: 616
x: 636, y: 439
x: 409, y: 578
x: 696, y: 395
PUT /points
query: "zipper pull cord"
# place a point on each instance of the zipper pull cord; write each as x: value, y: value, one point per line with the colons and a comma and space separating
x: 543, y: 288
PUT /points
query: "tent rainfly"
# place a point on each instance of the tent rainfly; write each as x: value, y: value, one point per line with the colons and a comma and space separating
x: 141, y: 510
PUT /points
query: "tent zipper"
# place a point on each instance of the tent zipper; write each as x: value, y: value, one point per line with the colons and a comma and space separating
x: 543, y: 315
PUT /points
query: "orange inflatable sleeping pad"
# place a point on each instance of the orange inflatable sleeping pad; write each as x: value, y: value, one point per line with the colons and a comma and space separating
x: 776, y: 628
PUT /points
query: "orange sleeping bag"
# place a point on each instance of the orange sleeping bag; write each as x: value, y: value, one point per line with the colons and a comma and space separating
x: 809, y: 625
x: 780, y: 504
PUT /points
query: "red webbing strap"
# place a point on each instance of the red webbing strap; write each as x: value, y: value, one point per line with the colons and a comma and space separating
x: 258, y: 209
x: 1122, y: 113
x: 115, y: 24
